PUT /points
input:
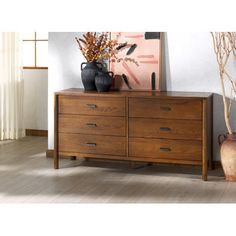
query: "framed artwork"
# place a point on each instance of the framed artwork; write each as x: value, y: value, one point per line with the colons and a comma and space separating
x: 138, y: 62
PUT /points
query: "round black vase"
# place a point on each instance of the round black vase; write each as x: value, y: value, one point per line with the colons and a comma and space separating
x: 103, y: 81
x: 88, y: 74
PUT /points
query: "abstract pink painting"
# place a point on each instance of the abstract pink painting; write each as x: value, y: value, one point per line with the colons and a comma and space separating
x: 139, y: 58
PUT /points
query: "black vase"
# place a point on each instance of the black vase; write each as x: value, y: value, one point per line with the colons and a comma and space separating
x: 103, y: 81
x: 88, y: 74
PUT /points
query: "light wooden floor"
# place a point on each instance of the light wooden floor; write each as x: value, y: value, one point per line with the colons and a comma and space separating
x: 27, y: 176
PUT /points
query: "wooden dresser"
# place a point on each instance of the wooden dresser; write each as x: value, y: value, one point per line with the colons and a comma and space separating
x: 157, y: 127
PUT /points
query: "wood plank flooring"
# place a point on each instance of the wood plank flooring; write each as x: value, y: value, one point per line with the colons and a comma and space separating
x: 27, y: 176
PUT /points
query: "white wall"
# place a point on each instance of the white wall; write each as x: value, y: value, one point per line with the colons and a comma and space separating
x: 36, y: 99
x: 189, y: 65
x: 64, y: 70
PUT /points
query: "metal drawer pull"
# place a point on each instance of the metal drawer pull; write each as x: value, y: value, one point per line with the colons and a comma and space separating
x: 93, y: 106
x: 165, y: 108
x: 91, y: 125
x: 165, y: 129
x: 91, y: 144
x: 165, y: 149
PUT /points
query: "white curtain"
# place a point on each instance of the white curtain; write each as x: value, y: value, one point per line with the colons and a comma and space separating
x: 11, y: 87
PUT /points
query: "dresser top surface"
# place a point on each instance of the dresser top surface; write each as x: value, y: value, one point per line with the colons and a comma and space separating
x: 124, y: 93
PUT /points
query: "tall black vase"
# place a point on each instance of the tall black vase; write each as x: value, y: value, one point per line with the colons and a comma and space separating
x: 88, y: 74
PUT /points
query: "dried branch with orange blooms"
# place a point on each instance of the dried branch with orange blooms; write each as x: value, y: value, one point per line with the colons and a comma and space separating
x: 95, y: 47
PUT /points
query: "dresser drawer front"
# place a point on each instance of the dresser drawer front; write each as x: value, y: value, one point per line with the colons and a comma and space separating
x: 161, y: 148
x: 92, y: 125
x: 92, y: 106
x: 165, y: 108
x: 92, y: 144
x: 165, y: 128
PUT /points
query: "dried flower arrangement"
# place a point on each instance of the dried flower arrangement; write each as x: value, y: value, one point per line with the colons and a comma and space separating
x: 225, y: 50
x: 224, y: 47
x: 96, y: 47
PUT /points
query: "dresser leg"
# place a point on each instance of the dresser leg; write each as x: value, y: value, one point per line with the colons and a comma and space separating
x: 204, y: 171
x: 204, y: 165
x: 205, y: 138
x: 56, y: 162
x: 204, y: 177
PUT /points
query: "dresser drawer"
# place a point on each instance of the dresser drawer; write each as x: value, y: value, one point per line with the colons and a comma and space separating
x: 161, y: 148
x: 91, y: 106
x: 165, y: 108
x: 92, y: 144
x: 165, y: 128
x: 92, y: 125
